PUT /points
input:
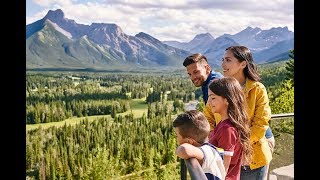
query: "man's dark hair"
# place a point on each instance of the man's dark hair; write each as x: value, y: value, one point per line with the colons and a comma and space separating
x: 194, y: 58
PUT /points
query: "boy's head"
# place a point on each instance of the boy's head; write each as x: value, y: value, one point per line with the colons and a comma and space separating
x: 192, y: 127
x: 198, y: 68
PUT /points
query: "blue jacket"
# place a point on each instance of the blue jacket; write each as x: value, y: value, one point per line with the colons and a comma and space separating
x: 205, y: 85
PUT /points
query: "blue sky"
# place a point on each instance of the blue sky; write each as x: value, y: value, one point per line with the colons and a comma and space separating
x: 179, y: 20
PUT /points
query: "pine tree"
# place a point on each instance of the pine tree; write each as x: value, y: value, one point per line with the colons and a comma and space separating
x: 290, y: 67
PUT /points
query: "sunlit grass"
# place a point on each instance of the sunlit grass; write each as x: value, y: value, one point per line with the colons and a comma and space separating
x: 71, y: 121
x: 283, y: 131
x: 138, y: 107
x: 139, y: 104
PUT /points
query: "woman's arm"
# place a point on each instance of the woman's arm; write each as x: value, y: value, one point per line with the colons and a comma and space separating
x: 262, y: 113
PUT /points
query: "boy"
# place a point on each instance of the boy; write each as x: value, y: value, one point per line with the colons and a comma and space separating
x: 192, y: 130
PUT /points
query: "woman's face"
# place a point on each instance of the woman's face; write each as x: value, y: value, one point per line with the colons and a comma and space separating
x: 231, y: 65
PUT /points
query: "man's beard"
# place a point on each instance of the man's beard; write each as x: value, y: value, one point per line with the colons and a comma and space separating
x: 197, y: 85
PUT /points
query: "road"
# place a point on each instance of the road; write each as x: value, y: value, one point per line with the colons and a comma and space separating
x: 191, y: 105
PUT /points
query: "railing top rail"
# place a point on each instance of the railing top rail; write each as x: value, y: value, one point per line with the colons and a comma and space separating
x: 273, y: 116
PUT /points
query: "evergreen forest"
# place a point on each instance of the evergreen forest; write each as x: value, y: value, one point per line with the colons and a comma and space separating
x: 119, y: 143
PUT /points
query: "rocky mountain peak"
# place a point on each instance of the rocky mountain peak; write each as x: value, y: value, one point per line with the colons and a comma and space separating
x: 108, y: 28
x: 249, y: 31
x: 204, y: 35
x: 146, y: 36
x: 55, y: 15
x: 280, y: 29
x: 99, y: 44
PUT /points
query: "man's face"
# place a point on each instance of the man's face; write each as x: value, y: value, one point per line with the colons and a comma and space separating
x: 198, y: 73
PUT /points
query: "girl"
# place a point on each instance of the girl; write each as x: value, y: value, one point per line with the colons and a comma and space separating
x: 233, y: 132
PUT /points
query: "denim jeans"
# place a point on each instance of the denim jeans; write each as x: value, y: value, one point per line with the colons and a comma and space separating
x: 254, y: 174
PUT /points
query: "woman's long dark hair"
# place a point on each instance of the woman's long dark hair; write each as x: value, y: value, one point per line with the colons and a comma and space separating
x: 243, y: 53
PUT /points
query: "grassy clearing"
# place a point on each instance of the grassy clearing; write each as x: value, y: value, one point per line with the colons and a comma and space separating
x: 138, y: 107
x: 138, y: 104
x: 283, y: 154
x: 283, y: 130
x: 70, y: 121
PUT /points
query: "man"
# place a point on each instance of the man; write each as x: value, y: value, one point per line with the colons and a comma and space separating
x: 200, y: 72
x: 201, y: 75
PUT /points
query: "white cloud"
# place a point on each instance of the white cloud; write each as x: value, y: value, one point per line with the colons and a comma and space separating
x: 48, y: 3
x: 178, y: 19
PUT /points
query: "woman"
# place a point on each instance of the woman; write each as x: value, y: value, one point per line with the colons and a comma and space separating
x: 238, y: 63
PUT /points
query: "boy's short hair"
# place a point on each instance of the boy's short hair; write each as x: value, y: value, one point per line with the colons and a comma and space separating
x: 193, y: 124
x: 194, y: 58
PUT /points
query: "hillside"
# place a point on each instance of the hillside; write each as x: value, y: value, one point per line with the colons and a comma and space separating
x: 58, y: 43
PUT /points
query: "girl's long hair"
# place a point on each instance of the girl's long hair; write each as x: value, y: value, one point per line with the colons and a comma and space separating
x: 229, y: 88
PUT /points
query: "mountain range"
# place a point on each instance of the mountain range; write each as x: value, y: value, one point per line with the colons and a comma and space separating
x: 55, y: 42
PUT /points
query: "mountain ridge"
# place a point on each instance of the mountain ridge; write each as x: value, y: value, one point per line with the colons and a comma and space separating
x: 57, y: 42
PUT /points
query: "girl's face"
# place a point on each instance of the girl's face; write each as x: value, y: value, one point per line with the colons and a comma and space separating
x: 231, y: 65
x: 218, y: 104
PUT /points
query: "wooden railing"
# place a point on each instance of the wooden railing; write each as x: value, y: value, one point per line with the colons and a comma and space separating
x: 193, y: 166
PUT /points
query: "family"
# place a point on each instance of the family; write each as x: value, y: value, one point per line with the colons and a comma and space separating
x: 235, y: 119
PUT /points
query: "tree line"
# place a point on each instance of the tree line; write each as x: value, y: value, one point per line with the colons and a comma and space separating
x: 58, y: 97
x: 112, y: 147
x: 103, y: 149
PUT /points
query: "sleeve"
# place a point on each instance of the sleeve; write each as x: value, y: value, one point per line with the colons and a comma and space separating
x: 262, y: 114
x: 213, y: 118
x: 227, y: 140
x: 212, y: 162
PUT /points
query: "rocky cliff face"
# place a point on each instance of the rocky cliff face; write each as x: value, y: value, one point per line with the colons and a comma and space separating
x: 99, y: 45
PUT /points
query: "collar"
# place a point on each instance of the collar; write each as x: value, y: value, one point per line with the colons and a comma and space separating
x: 210, y: 77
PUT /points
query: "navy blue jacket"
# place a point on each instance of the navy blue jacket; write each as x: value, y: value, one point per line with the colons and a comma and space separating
x: 205, y: 85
